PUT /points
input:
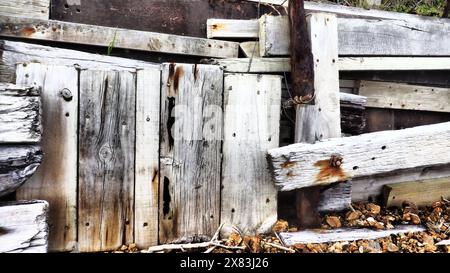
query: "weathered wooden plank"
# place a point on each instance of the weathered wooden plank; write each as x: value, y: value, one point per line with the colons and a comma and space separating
x: 275, y: 65
x: 12, y: 53
x: 421, y: 193
x: 370, y: 188
x: 147, y: 157
x: 231, y: 28
x: 273, y: 31
x: 23, y: 227
x: 405, y: 96
x: 365, y: 37
x: 59, y: 31
x: 338, y: 197
x: 191, y: 130
x: 18, y: 163
x: 353, y: 118
x: 39, y: 9
x: 181, y: 17
x: 106, y: 159
x: 251, y: 126
x: 250, y: 49
x: 20, y: 114
x: 303, y: 165
x: 320, y: 120
x: 343, y: 234
x: 56, y: 179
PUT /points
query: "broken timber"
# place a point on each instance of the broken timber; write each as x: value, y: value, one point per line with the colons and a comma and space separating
x: 276, y: 65
x: 23, y: 227
x: 20, y: 119
x: 421, y: 193
x: 342, y: 234
x: 303, y: 165
x: 59, y: 31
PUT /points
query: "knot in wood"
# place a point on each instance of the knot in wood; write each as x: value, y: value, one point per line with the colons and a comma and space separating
x: 105, y: 153
x: 66, y: 94
x: 336, y: 160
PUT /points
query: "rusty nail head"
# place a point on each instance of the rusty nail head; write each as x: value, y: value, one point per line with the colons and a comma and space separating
x: 336, y: 160
x: 66, y: 94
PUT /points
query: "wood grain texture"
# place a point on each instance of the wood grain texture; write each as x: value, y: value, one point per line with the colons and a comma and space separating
x: 17, y: 164
x: 181, y: 17
x: 276, y: 65
x: 321, y: 120
x: 59, y: 31
x: 20, y: 114
x: 12, y: 53
x: 106, y: 159
x: 421, y: 193
x: 405, y: 96
x: 336, y: 197
x: 366, y: 37
x: 370, y: 188
x: 190, y: 151
x: 302, y: 165
x: 56, y: 179
x: 24, y: 227
x: 229, y: 28
x: 147, y: 157
x: 343, y: 234
x: 39, y: 9
x: 251, y: 126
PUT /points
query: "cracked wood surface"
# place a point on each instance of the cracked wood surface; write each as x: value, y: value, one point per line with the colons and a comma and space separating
x: 190, y: 151
x: 106, y: 159
x: 23, y: 227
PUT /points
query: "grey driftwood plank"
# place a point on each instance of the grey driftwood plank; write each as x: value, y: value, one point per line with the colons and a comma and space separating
x: 20, y: 114
x: 190, y: 151
x: 56, y: 179
x: 251, y: 126
x: 23, y: 227
x: 39, y: 9
x: 18, y: 163
x: 106, y: 159
x: 67, y: 32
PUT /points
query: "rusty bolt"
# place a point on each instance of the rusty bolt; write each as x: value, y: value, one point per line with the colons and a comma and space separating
x: 66, y: 94
x: 336, y: 160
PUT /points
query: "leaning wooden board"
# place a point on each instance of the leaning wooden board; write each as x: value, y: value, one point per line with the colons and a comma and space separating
x: 190, y: 151
x: 24, y: 227
x: 59, y: 31
x: 56, y: 179
x: 251, y: 126
x: 106, y: 159
x: 304, y: 165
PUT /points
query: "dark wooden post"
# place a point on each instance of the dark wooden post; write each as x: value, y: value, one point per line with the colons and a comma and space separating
x: 302, y: 74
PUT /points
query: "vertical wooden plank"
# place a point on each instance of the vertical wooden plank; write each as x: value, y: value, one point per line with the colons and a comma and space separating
x: 251, y: 127
x: 322, y: 119
x: 190, y: 159
x: 56, y: 179
x: 106, y: 163
x: 148, y: 89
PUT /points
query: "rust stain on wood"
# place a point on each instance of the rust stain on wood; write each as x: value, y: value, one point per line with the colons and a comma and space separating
x: 328, y: 172
x: 288, y: 164
x: 218, y: 26
x: 176, y: 78
x: 27, y: 31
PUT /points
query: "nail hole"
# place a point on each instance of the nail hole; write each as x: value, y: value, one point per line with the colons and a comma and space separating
x: 234, y: 134
x: 127, y: 222
x: 355, y: 167
x: 267, y: 200
x: 78, y: 10
x: 87, y: 224
x: 145, y: 224
x: 383, y: 147
x: 66, y: 6
x: 373, y: 158
x: 232, y: 210
x: 270, y: 139
x: 67, y: 114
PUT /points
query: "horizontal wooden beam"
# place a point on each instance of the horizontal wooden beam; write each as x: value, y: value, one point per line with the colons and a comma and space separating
x: 39, y: 9
x: 366, y: 37
x: 23, y: 227
x: 405, y: 96
x: 278, y: 65
x: 304, y: 165
x: 20, y: 114
x: 59, y: 31
x: 231, y: 28
x: 342, y: 234
x: 421, y: 193
x: 17, y: 164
